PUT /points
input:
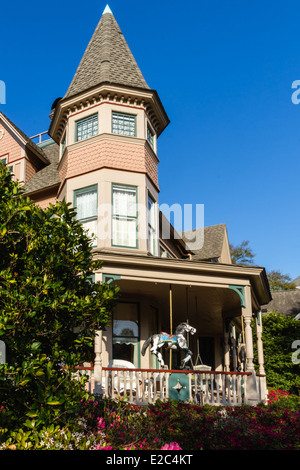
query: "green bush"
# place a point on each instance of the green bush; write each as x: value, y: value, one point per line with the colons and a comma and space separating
x: 117, y: 425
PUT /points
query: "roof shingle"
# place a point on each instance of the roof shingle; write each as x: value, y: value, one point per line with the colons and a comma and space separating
x: 206, y: 242
x: 48, y: 176
x: 107, y: 59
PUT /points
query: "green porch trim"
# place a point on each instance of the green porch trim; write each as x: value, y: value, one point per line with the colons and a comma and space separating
x: 108, y: 278
x: 241, y: 293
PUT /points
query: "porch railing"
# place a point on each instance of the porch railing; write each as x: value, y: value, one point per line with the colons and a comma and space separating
x: 142, y: 386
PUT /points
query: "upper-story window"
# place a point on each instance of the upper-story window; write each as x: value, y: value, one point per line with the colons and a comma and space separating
x: 63, y: 144
x: 152, y: 239
x: 87, y: 127
x: 150, y: 137
x: 86, y: 205
x: 124, y: 216
x: 124, y: 124
x: 4, y: 161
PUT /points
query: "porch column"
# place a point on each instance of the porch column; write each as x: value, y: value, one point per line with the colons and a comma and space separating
x: 260, y: 352
x: 247, y: 316
x: 98, y: 363
x: 226, y: 347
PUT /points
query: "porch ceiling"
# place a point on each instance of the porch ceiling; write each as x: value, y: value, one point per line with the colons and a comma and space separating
x: 203, y: 307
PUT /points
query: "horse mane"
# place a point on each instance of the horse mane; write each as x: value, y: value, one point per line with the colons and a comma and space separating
x: 180, y: 327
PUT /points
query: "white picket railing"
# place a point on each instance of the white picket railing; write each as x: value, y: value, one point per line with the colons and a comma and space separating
x: 142, y: 386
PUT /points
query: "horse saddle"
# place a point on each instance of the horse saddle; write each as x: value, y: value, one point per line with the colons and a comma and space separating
x: 167, y: 338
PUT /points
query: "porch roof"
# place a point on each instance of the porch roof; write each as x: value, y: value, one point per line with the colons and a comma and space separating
x: 186, y: 272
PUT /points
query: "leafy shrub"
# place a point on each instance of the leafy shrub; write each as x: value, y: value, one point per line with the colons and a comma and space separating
x: 117, y: 425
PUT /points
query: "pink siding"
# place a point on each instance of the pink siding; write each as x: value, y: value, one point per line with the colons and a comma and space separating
x: 8, y: 145
x: 44, y: 199
x: 109, y: 154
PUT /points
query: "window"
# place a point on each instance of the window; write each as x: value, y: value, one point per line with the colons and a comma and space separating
x: 152, y: 242
x: 126, y: 332
x: 163, y: 252
x: 63, y: 144
x: 87, y: 127
x: 86, y: 204
x: 150, y: 137
x: 123, y: 124
x: 124, y: 216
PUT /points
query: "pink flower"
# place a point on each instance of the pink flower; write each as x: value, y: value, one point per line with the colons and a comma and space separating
x: 171, y: 446
x: 101, y: 423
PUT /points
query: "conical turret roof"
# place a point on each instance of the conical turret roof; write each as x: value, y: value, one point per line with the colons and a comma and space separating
x: 107, y: 59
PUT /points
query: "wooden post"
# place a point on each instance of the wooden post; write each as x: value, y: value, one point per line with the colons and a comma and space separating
x: 98, y: 363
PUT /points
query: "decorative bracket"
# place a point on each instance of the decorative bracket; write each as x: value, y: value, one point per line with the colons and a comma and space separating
x: 241, y: 293
x: 108, y: 278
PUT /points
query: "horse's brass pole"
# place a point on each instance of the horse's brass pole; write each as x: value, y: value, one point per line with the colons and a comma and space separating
x: 171, y: 321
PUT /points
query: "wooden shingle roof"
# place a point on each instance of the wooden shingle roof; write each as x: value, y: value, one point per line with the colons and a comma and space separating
x: 286, y: 302
x: 205, y: 243
x: 48, y: 176
x: 107, y: 59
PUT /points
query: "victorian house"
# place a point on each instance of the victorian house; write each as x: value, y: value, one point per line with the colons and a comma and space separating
x: 101, y: 156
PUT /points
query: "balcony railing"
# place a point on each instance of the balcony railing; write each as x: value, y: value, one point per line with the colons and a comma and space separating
x: 142, y: 386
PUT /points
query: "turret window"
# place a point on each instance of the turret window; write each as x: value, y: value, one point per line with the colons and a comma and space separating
x: 124, y: 124
x: 87, y: 127
x: 150, y: 136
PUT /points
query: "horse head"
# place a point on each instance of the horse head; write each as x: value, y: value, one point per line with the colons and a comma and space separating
x: 186, y: 327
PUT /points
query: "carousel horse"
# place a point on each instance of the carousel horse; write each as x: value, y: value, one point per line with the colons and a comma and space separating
x: 176, y: 341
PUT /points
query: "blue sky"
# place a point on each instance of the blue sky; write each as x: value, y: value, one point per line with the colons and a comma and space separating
x: 224, y: 72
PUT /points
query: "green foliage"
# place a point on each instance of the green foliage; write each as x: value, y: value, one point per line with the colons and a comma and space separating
x: 49, y: 307
x: 242, y: 254
x: 117, y: 425
x: 279, y: 281
x: 279, y: 334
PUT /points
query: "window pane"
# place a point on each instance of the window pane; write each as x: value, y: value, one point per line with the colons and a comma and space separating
x: 126, y: 332
x: 150, y: 137
x: 123, y: 124
x: 125, y: 320
x: 86, y: 203
x: 87, y: 127
x: 124, y: 232
x: 91, y: 227
x: 124, y: 201
x: 152, y: 226
x: 124, y: 217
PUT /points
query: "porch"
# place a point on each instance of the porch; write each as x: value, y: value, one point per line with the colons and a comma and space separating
x: 144, y: 386
x: 221, y: 301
